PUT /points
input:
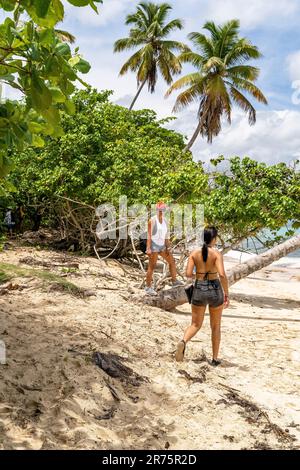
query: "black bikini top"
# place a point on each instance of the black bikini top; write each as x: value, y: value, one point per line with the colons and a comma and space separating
x: 206, y: 275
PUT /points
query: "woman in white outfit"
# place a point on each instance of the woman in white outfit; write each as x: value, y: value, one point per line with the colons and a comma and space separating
x: 158, y: 243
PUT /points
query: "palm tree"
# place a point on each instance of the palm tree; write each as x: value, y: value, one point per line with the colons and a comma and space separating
x: 222, y: 78
x: 155, y: 52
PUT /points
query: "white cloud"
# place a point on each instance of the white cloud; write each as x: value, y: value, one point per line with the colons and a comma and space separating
x: 252, y: 13
x: 293, y: 61
x: 274, y: 138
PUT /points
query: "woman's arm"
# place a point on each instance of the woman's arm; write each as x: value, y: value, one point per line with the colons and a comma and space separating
x: 168, y: 244
x: 223, y: 277
x: 190, y: 268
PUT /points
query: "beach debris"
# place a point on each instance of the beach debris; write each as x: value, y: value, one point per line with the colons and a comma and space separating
x: 229, y: 438
x: 112, y: 365
x: 294, y: 425
x: 202, y: 358
x: 255, y: 415
x: 69, y: 288
x: 261, y: 446
x: 29, y: 260
x: 112, y: 391
x: 110, y: 413
x: 200, y: 379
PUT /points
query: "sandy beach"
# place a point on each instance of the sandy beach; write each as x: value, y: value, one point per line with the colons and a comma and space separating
x: 53, y: 396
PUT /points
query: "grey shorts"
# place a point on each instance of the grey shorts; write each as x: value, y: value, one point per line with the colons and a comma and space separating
x: 208, y: 293
x: 157, y: 248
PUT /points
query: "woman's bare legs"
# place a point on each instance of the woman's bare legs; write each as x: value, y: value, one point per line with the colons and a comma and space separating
x: 151, y: 266
x: 215, y: 324
x: 168, y: 257
x: 197, y: 321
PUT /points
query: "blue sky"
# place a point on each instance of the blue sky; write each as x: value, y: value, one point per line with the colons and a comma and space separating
x: 273, y: 25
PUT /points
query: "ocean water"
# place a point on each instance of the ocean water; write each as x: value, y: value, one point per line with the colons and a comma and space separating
x: 255, y: 247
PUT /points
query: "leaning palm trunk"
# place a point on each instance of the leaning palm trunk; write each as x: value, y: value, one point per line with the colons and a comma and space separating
x: 138, y: 94
x: 265, y: 259
x: 193, y: 138
x: 172, y: 298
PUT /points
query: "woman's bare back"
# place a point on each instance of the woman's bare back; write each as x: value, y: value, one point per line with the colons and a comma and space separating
x: 209, y: 267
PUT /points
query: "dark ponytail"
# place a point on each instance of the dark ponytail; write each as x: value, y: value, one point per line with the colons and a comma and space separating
x: 209, y: 234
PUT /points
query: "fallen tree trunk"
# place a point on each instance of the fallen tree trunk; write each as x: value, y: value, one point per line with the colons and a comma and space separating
x: 265, y: 259
x: 172, y: 298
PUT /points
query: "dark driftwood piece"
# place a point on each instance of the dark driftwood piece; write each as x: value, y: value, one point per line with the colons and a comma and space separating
x: 111, y: 364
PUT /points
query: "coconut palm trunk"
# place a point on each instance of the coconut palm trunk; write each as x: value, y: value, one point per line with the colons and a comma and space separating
x: 137, y: 94
x: 172, y: 298
x: 265, y: 259
x: 193, y: 138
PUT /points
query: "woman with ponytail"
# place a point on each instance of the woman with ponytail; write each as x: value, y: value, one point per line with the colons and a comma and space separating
x: 210, y: 288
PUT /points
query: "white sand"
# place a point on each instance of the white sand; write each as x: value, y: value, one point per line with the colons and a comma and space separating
x: 51, y: 398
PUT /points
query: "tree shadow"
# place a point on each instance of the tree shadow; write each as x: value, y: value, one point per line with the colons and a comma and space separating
x: 245, y: 317
x: 267, y: 302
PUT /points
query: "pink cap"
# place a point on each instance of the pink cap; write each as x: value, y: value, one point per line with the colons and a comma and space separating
x: 161, y: 206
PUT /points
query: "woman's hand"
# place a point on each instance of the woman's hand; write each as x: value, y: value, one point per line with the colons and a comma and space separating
x: 188, y: 282
x: 226, y: 301
x: 149, y: 252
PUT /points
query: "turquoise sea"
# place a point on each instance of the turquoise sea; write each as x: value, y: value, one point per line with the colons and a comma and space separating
x: 254, y: 246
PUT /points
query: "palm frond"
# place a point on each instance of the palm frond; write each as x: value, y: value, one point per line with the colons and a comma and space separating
x: 242, y: 52
x: 174, y: 45
x: 244, y: 104
x: 213, y: 29
x: 188, y: 80
x: 133, y: 63
x: 228, y: 37
x: 171, y: 26
x: 169, y: 65
x: 218, y: 95
x: 246, y: 85
x: 187, y: 97
x: 213, y: 63
x: 192, y: 58
x: 126, y: 44
x: 203, y: 43
x: 247, y: 72
x: 162, y: 12
x: 148, y: 68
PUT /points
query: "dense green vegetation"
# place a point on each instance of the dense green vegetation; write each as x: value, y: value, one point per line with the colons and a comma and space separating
x: 61, y: 148
x: 35, y: 60
x: 108, y: 151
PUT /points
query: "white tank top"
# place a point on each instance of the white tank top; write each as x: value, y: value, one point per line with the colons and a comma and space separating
x: 159, y: 237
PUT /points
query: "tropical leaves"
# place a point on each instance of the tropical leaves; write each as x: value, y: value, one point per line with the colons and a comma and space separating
x: 45, y: 12
x: 36, y: 60
x: 222, y: 78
